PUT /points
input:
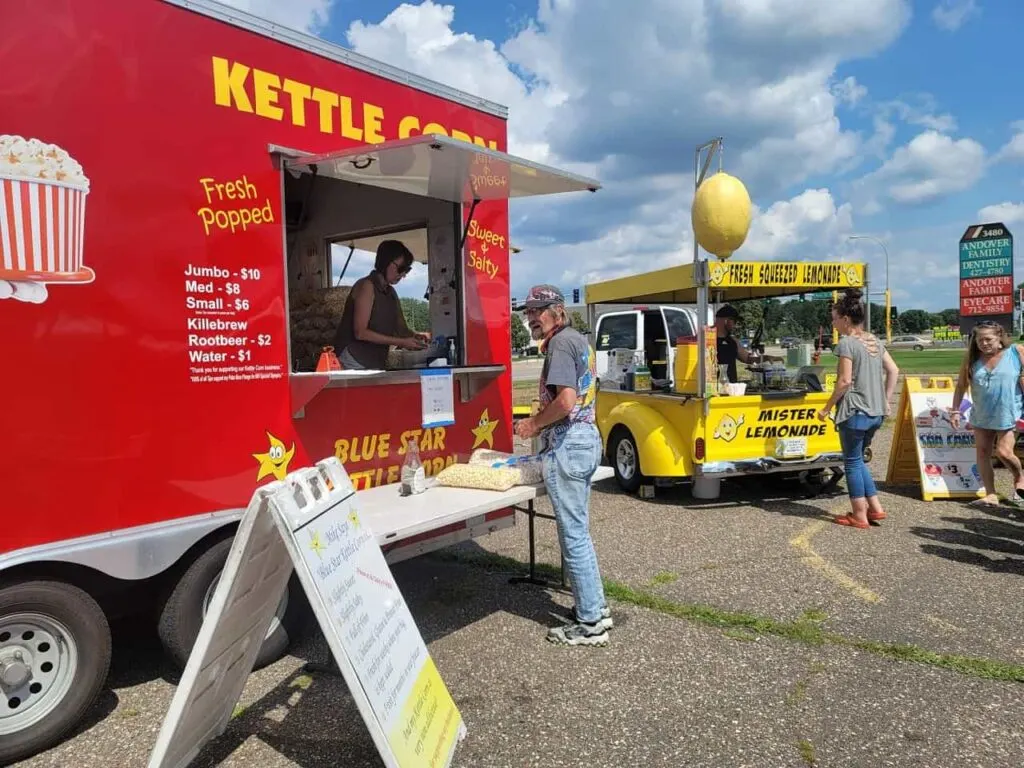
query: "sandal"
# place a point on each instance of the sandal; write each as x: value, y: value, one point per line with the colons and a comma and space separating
x: 874, y: 517
x: 850, y: 521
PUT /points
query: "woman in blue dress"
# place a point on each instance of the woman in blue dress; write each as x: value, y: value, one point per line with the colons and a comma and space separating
x: 992, y: 371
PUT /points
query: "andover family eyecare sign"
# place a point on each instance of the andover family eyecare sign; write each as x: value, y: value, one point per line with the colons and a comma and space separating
x: 986, y: 276
x: 310, y: 521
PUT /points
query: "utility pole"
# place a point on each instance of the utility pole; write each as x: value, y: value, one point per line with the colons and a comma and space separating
x: 888, y: 295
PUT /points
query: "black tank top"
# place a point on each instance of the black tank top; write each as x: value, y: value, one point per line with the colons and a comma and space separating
x: 383, y: 319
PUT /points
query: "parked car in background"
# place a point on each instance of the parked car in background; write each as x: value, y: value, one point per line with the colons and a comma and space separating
x: 916, y: 343
x: 789, y: 342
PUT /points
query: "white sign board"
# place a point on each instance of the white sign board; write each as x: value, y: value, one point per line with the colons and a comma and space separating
x: 948, y: 463
x: 437, y: 392
x: 311, y: 521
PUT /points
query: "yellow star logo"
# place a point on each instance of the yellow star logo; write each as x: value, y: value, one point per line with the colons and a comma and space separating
x: 484, y: 431
x: 275, y: 461
x: 353, y: 517
x: 316, y: 544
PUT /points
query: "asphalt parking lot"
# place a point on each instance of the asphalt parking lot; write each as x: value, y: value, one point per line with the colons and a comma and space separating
x: 750, y: 631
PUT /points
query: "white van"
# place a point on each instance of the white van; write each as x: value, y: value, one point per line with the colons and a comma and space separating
x: 651, y: 330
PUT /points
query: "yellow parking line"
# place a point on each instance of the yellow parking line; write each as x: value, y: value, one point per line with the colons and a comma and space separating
x: 802, y: 542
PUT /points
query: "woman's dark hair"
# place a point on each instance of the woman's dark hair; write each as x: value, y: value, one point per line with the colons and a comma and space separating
x: 851, y: 306
x: 391, y: 250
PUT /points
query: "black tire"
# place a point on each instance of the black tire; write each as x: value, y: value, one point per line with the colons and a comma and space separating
x: 87, y: 629
x: 628, y: 482
x: 918, y: 348
x: 181, y: 615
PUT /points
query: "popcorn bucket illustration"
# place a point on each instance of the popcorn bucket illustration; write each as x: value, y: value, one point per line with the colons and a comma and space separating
x: 42, y: 213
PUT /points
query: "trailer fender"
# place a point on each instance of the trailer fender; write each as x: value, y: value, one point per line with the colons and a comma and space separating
x: 663, y: 452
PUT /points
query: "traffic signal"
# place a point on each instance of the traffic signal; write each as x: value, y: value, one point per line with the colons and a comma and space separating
x: 893, y: 313
x: 575, y: 295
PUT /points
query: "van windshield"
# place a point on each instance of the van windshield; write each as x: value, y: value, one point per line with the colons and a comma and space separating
x: 678, y: 324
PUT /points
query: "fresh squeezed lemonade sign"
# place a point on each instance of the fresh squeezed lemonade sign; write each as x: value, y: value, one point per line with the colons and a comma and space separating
x: 371, y: 621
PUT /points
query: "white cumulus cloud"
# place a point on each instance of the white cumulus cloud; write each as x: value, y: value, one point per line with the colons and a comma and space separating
x: 1008, y: 213
x: 953, y: 14
x: 930, y: 166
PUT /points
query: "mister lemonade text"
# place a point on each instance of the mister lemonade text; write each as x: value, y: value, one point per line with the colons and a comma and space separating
x: 787, y: 422
x: 274, y: 97
x: 359, y: 450
x: 233, y: 205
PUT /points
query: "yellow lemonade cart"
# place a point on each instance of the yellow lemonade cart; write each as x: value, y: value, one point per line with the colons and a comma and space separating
x: 690, y: 427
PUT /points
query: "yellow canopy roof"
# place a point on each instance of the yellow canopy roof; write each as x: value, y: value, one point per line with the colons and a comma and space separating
x: 736, y: 280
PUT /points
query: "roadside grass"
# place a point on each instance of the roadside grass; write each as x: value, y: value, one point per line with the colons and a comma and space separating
x: 807, y: 629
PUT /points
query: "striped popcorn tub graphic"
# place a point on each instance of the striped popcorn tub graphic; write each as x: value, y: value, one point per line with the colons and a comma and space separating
x: 42, y: 214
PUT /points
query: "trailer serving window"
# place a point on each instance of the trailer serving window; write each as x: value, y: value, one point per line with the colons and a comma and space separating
x: 424, y: 191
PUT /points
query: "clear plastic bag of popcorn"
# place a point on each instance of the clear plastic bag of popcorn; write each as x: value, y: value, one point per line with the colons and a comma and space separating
x: 531, y: 468
x: 479, y: 476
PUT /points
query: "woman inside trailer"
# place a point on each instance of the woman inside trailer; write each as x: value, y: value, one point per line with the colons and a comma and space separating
x: 372, y: 320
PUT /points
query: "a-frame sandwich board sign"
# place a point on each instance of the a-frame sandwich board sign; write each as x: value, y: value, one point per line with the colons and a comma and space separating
x: 311, y: 522
x: 926, y: 449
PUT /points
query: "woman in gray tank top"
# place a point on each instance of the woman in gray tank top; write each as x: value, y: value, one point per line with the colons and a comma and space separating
x: 372, y: 319
x: 861, y: 400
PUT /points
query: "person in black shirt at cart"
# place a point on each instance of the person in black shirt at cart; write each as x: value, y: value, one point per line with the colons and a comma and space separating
x: 729, y: 350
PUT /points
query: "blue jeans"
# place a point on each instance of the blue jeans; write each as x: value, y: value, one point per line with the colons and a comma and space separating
x: 855, y: 436
x: 568, y: 467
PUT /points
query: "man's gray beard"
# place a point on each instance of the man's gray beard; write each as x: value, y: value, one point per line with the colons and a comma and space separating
x: 536, y: 334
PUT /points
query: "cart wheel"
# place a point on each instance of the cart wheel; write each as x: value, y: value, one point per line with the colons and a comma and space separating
x: 54, y: 657
x: 182, y: 614
x: 625, y: 459
x: 868, y: 454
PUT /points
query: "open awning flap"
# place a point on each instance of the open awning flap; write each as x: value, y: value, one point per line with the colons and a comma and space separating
x: 441, y: 167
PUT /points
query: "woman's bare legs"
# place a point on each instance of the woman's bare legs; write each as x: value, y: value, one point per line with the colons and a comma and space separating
x: 1003, y: 448
x: 984, y: 443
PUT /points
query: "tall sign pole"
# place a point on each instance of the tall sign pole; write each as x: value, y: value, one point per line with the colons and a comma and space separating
x: 986, y: 276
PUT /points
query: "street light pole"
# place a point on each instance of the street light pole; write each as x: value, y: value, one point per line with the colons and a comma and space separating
x: 888, y: 295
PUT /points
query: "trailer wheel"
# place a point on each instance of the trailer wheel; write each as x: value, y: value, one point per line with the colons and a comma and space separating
x: 182, y: 614
x: 54, y: 657
x: 625, y: 460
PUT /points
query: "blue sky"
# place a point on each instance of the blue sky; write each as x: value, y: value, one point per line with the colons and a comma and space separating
x: 888, y: 118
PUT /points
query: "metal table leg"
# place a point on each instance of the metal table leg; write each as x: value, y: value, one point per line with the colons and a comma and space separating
x: 531, y: 577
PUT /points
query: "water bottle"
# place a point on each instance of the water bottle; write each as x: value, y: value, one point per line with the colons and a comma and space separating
x: 413, y: 474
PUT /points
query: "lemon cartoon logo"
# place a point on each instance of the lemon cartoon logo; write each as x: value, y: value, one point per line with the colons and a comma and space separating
x: 717, y: 274
x: 483, y: 432
x: 852, y: 277
x: 728, y: 427
x: 42, y: 219
x: 275, y: 461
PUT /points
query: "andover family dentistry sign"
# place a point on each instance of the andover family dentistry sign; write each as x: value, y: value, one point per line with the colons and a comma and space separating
x: 986, y: 275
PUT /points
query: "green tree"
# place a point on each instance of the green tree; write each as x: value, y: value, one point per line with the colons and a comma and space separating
x: 417, y: 314
x: 916, y: 321
x: 578, y: 322
x: 520, y: 334
x: 948, y: 317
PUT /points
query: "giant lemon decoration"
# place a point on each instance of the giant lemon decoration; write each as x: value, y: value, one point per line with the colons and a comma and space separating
x: 721, y: 214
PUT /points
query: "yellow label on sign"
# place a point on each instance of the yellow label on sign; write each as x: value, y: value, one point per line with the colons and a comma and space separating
x: 771, y: 274
x: 749, y: 427
x: 427, y: 729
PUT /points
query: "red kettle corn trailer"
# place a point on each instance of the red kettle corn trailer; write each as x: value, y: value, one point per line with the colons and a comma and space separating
x: 180, y: 185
